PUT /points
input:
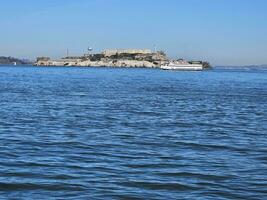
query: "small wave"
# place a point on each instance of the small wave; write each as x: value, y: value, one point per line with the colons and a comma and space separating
x: 32, y: 186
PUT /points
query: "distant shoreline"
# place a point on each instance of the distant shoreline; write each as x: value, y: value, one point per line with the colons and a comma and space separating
x: 13, y: 61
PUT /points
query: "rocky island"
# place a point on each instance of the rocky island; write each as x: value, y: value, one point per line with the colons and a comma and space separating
x: 115, y: 58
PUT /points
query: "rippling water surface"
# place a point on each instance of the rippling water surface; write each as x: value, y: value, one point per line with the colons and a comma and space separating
x: 84, y: 133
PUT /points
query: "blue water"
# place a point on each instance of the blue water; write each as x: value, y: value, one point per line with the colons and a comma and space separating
x: 88, y: 133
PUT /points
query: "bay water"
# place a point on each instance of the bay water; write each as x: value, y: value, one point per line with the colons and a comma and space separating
x: 104, y: 133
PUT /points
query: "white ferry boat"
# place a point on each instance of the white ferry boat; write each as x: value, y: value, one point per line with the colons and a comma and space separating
x: 182, y: 65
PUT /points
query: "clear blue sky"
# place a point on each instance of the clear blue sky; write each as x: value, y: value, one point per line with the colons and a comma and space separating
x: 228, y: 32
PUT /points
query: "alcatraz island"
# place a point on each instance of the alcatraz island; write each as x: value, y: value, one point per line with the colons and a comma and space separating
x: 137, y: 58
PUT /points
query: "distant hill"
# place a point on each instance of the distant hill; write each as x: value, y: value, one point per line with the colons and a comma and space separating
x: 10, y: 61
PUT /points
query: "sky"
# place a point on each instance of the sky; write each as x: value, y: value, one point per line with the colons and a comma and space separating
x: 223, y: 32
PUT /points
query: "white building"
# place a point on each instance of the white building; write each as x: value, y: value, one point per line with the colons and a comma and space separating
x: 111, y: 52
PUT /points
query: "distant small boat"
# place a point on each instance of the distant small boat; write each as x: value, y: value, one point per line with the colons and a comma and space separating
x: 14, y: 63
x: 182, y: 66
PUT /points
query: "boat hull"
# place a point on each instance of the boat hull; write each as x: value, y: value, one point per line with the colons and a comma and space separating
x: 183, y: 67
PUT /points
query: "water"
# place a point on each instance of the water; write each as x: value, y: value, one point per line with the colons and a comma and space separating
x: 81, y: 133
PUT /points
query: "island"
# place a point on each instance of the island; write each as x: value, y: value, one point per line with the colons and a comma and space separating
x: 118, y: 58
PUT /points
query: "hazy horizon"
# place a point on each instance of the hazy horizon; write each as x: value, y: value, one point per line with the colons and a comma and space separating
x: 229, y: 32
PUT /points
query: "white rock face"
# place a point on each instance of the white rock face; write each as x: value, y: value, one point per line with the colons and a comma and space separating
x: 106, y: 63
x: 118, y: 63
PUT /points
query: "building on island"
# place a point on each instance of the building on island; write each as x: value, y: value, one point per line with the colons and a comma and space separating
x: 112, y: 52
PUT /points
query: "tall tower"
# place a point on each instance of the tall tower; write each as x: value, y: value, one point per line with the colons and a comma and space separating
x: 90, y: 49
